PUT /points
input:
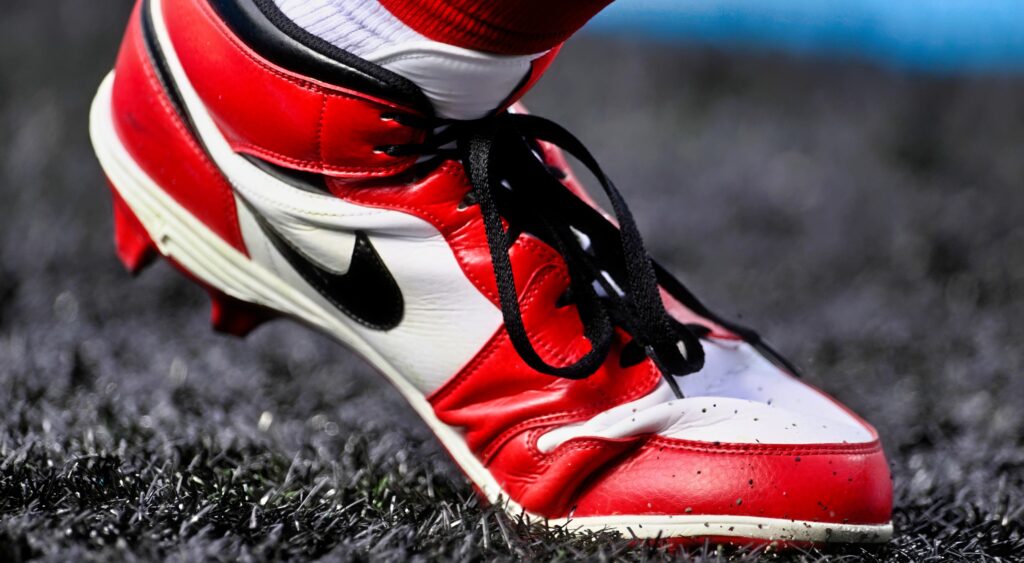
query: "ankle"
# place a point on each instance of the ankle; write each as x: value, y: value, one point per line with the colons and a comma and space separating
x: 504, y: 27
x: 463, y: 64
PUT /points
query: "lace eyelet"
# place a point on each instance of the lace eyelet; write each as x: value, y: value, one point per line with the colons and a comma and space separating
x: 564, y: 300
x: 632, y: 354
x: 467, y: 201
x: 558, y: 173
x: 405, y: 120
x: 387, y: 150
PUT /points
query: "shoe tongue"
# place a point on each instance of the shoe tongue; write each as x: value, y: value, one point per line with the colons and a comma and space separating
x: 465, y: 84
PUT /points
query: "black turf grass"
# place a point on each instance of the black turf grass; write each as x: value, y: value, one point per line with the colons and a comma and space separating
x: 868, y: 222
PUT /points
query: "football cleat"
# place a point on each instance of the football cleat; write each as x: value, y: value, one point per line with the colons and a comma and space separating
x: 570, y: 377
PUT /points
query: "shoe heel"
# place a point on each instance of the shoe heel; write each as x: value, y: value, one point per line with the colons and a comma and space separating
x: 134, y: 247
x: 137, y: 251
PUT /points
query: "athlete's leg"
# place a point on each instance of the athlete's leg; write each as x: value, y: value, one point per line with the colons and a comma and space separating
x: 467, y: 55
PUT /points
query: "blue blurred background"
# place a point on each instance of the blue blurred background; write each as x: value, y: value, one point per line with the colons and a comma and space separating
x: 926, y: 35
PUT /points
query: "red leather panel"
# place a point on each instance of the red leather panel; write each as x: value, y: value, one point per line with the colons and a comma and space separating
x: 497, y: 396
x: 282, y: 117
x: 548, y: 484
x: 161, y: 144
x: 825, y: 483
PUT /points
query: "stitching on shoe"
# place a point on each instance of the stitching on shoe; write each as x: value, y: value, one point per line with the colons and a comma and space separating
x: 764, y: 449
x: 313, y: 88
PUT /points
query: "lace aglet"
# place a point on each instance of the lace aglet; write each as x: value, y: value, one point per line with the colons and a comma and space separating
x: 673, y: 384
x: 666, y: 374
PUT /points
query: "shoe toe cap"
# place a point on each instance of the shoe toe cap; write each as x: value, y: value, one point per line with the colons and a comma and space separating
x: 828, y: 483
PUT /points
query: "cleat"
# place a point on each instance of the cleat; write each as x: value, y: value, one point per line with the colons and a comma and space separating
x: 134, y: 247
x: 235, y: 317
x: 570, y: 377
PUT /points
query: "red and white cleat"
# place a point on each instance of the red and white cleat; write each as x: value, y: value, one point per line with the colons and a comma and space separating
x: 568, y: 375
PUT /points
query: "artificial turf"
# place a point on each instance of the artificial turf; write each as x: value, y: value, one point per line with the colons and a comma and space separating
x: 868, y: 221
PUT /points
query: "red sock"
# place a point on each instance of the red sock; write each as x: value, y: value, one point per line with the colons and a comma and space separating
x: 507, y: 27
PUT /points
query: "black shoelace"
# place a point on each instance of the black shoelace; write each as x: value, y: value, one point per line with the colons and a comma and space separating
x: 613, y: 280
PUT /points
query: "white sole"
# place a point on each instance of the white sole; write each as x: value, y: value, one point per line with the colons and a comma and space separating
x: 184, y: 238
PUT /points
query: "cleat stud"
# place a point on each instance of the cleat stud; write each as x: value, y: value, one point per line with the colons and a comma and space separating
x: 235, y: 317
x: 134, y: 247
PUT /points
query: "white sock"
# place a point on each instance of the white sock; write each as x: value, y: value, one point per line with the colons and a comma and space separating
x: 461, y: 83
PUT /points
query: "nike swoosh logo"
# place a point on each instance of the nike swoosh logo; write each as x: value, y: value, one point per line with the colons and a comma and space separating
x: 367, y: 293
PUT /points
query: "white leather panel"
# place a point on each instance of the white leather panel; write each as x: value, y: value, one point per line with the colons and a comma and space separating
x: 739, y: 397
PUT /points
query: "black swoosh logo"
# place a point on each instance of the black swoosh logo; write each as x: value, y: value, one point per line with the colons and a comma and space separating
x: 367, y: 293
